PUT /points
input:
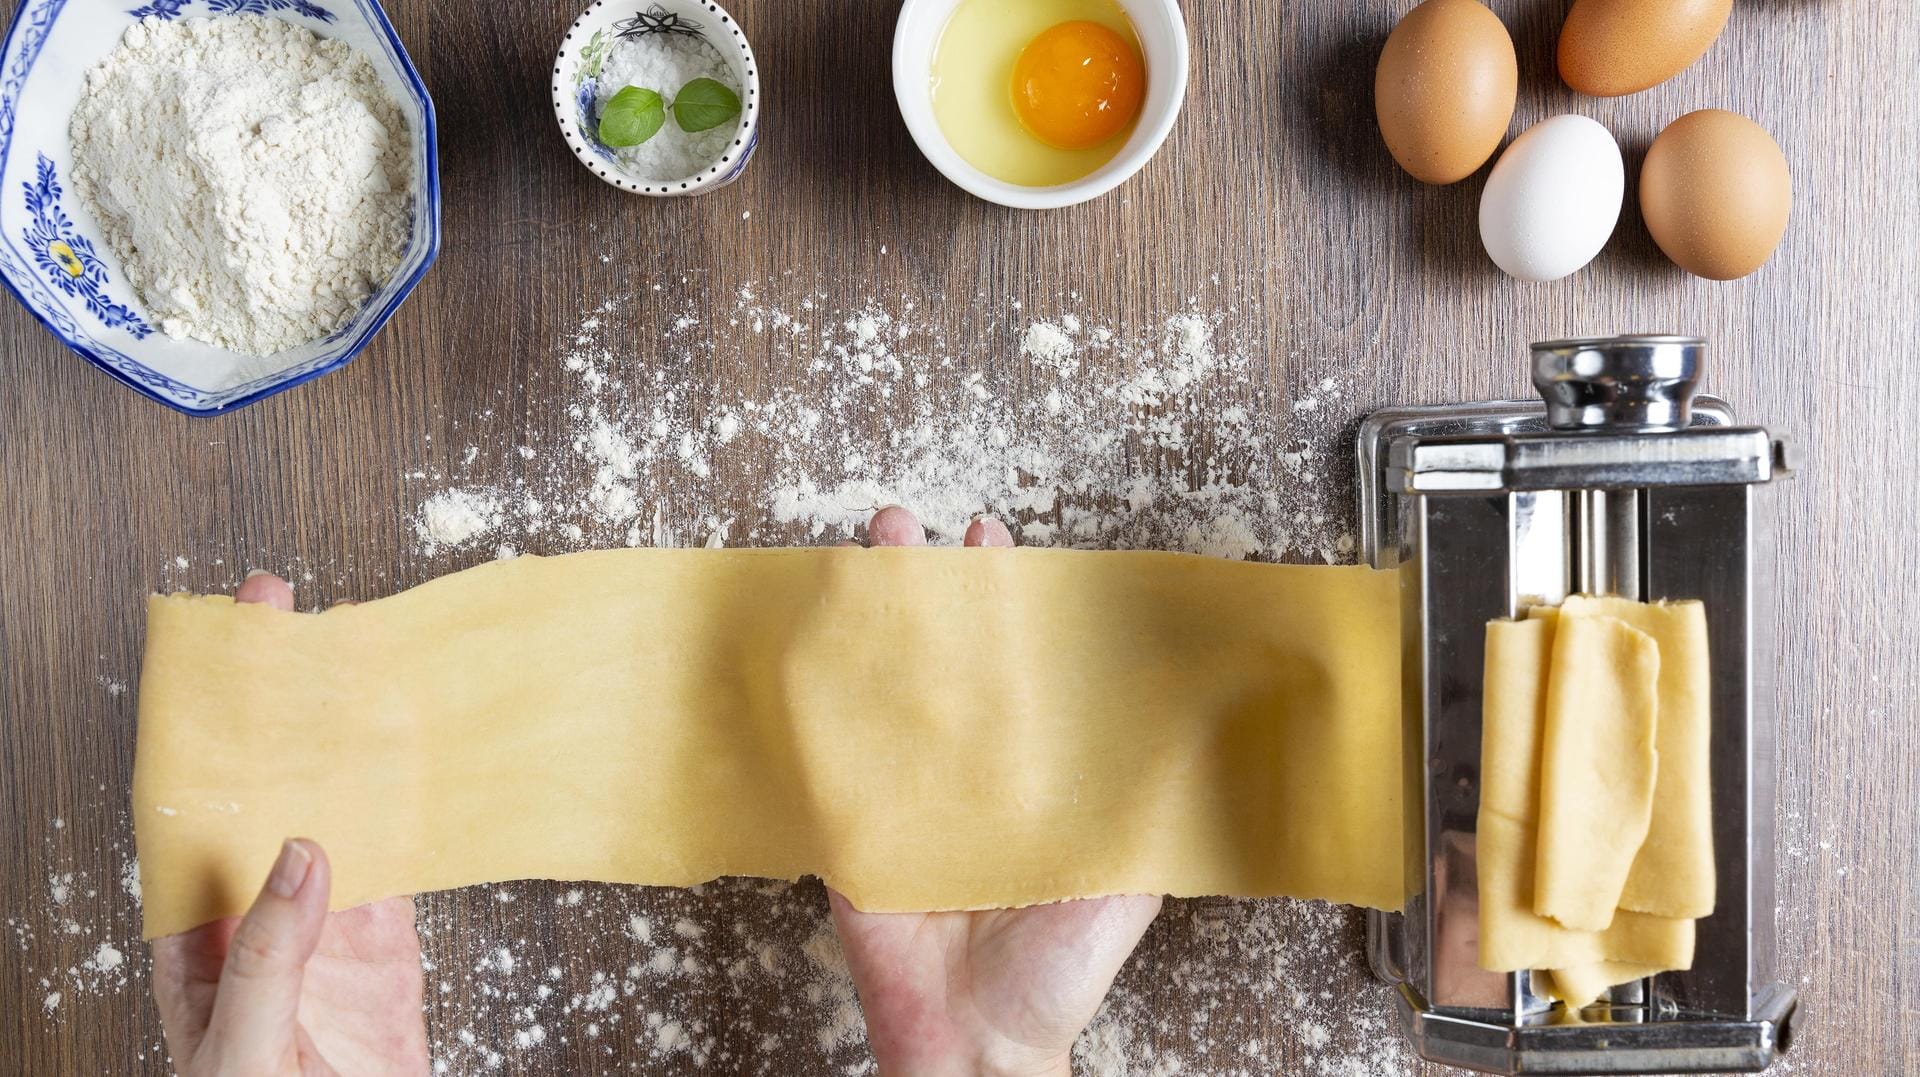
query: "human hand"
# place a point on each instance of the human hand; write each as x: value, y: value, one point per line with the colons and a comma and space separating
x: 1002, y: 992
x: 288, y: 988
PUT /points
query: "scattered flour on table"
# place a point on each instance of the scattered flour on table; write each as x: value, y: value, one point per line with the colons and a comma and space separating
x: 1155, y: 433
x: 456, y: 518
x: 75, y: 939
x: 1045, y: 342
x: 1238, y: 988
x: 252, y: 177
x: 106, y: 958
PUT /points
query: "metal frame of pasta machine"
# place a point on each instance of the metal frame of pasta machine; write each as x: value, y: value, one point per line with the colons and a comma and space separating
x: 1621, y: 482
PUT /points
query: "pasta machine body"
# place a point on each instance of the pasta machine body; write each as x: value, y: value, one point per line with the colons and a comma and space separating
x: 1619, y: 481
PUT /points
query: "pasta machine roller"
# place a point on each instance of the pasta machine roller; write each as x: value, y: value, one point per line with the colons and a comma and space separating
x: 1621, y: 481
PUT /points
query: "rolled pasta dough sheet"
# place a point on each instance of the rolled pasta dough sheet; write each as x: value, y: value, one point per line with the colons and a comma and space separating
x: 1513, y: 937
x: 1597, y: 768
x: 1673, y: 875
x: 923, y: 728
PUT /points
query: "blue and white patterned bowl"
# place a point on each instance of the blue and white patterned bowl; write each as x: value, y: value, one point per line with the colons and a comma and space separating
x: 576, y: 75
x: 51, y: 254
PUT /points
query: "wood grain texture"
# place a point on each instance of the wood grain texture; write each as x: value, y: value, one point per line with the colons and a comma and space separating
x: 1276, y: 181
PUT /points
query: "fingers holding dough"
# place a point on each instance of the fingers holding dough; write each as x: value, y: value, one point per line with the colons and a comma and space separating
x: 266, y: 589
x: 895, y: 526
x: 988, y: 531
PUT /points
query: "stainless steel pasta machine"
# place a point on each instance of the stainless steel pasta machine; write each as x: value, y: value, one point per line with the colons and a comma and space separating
x: 1619, y: 481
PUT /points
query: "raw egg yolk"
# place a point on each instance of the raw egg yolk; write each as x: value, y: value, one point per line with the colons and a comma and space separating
x: 1078, y: 84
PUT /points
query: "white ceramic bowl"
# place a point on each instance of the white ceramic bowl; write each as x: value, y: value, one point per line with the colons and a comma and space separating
x: 576, y: 72
x: 1163, y: 44
x: 51, y: 256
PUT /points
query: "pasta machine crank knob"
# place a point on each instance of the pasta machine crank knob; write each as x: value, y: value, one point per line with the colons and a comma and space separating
x: 1618, y: 383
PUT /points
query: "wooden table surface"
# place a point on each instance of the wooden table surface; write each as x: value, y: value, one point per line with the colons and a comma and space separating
x: 1273, y: 210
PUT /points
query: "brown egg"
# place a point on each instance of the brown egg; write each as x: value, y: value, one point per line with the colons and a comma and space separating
x: 1614, y: 47
x: 1444, y: 89
x: 1716, y: 193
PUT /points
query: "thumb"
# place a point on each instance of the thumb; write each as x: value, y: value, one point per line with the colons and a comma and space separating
x: 255, y: 1009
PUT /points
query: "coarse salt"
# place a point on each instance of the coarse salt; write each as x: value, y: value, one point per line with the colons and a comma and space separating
x: 663, y: 63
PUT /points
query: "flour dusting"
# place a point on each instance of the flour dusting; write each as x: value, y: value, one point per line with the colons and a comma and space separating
x: 456, y: 518
x: 1162, y: 434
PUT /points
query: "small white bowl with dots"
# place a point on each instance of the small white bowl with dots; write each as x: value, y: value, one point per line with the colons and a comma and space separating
x: 657, y: 45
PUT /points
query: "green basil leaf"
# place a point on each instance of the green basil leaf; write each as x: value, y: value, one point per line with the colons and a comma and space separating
x: 704, y: 104
x: 633, y: 116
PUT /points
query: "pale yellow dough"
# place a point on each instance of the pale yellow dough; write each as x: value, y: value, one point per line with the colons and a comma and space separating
x: 1596, y: 768
x: 1630, y: 837
x: 1673, y: 875
x: 1581, y: 985
x: 1513, y: 937
x: 924, y: 728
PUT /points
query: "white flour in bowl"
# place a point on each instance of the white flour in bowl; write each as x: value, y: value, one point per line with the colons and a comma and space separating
x: 252, y: 178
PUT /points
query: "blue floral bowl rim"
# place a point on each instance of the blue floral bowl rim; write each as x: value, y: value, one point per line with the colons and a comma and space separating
x: 430, y: 180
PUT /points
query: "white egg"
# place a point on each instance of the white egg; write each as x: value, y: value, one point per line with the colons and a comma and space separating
x: 1552, y: 201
